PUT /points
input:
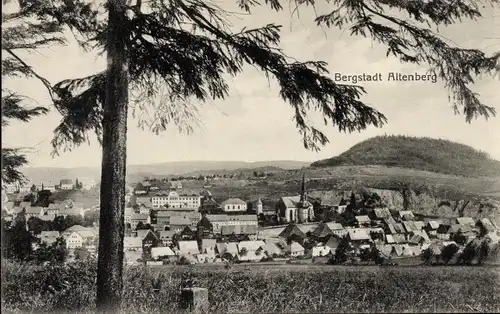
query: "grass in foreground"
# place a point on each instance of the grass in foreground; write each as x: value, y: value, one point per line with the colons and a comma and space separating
x: 260, y: 289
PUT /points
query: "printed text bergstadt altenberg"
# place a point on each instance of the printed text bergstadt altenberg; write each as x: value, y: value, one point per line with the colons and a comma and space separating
x: 390, y: 77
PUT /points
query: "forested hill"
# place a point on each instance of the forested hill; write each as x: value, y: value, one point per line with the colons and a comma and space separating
x: 417, y: 153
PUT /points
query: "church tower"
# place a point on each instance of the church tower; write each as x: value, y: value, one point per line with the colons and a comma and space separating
x: 259, y: 208
x: 303, y: 192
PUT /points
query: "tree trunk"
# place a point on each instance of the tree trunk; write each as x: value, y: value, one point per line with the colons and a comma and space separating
x: 111, y: 226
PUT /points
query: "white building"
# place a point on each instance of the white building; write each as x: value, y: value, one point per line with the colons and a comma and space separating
x: 82, y: 238
x: 66, y: 184
x: 173, y: 199
x: 218, y: 221
x: 234, y: 205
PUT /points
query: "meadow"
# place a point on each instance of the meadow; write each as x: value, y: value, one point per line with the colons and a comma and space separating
x: 260, y: 288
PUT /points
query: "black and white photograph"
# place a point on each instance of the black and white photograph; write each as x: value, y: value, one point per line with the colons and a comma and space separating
x: 250, y: 156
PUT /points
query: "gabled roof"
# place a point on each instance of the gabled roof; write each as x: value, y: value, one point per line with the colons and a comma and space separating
x: 358, y: 235
x: 465, y: 221
x: 161, y: 251
x: 233, y: 201
x: 293, y: 201
x: 363, y: 219
x: 335, y: 226
x: 403, y: 213
x: 410, y: 226
x: 391, y: 228
x: 217, y: 218
x: 34, y: 210
x: 242, y: 217
x: 380, y: 213
x: 8, y: 206
x: 389, y: 220
x: 132, y: 242
x: 179, y: 221
x: 272, y: 248
x: 486, y: 224
x: 423, y: 234
x: 75, y: 228
x: 137, y: 216
x: 66, y: 181
x: 167, y: 234
x: 208, y: 244
x: 230, y: 248
x: 432, y: 224
x: 188, y: 247
x: 399, y: 238
x: 389, y: 239
x: 239, y: 229
x: 205, y: 223
x: 143, y: 233
x: 295, y: 247
x: 25, y: 205
x: 251, y: 245
x: 399, y: 227
x: 333, y: 242
x: 322, y: 230
x: 419, y: 224
x: 292, y: 230
x: 47, y: 217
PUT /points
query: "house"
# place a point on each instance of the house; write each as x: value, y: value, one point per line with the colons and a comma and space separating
x: 204, y: 228
x: 188, y: 248
x: 166, y: 237
x: 162, y: 252
x: 320, y: 250
x: 337, y: 229
x: 229, y: 248
x: 210, y: 206
x: 295, y: 249
x: 82, y: 238
x: 132, y: 244
x: 177, y: 224
x: 485, y: 225
x: 208, y: 246
x: 33, y: 211
x: 142, y: 200
x: 149, y: 240
x: 66, y: 184
x: 53, y: 209
x: 419, y: 224
x: 25, y: 205
x: 322, y: 231
x: 176, y: 200
x: 409, y: 226
x: 176, y: 184
x: 465, y: 221
x: 71, y: 212
x: 234, y: 205
x: 274, y: 248
x: 144, y: 210
x: 132, y: 257
x: 49, y: 237
x: 251, y: 250
x: 380, y: 214
x: 240, y: 230
x: 333, y: 243
x: 163, y: 218
x: 359, y: 237
x: 406, y: 215
x: 187, y: 233
x: 295, y: 208
x: 292, y: 232
x: 135, y: 219
x: 431, y: 228
x: 363, y: 221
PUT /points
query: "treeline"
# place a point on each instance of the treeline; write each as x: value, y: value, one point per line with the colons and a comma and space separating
x: 427, y: 154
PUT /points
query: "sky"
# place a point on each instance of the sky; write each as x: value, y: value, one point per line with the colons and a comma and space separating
x: 254, y: 124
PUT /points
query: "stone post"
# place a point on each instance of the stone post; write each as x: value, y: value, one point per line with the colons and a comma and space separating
x: 195, y: 299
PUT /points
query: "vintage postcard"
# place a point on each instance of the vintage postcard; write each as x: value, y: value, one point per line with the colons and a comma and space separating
x: 250, y: 156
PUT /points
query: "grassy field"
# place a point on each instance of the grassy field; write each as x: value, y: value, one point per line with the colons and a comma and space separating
x: 258, y: 289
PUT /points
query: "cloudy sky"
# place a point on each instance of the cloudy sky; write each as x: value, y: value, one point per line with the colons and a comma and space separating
x: 255, y: 124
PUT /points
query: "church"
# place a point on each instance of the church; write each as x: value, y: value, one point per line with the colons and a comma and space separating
x: 295, y: 208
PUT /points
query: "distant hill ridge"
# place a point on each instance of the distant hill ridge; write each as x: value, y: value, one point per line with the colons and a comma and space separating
x: 421, y: 153
x: 137, y: 172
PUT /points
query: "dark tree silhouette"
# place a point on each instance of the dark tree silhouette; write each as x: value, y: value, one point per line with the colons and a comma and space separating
x: 449, y: 252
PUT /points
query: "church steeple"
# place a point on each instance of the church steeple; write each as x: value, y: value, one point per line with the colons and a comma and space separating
x: 303, y: 193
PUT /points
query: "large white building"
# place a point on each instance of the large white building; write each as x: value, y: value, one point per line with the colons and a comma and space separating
x: 174, y: 199
x: 234, y: 205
